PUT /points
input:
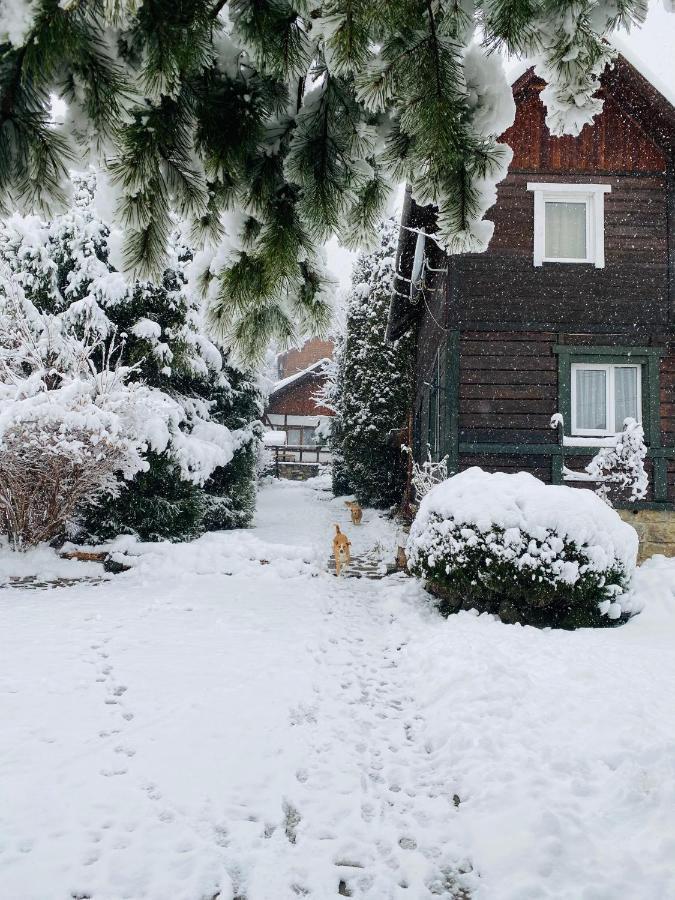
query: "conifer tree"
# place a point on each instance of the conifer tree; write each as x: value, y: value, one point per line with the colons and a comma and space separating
x: 65, y: 268
x: 272, y: 124
x: 374, y: 384
x: 231, y: 491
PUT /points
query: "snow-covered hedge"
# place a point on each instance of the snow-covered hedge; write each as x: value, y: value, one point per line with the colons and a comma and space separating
x: 190, y: 419
x: 530, y: 552
x: 72, y: 418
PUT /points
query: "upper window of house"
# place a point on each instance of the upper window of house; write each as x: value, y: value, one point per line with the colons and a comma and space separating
x: 569, y: 223
x: 603, y: 396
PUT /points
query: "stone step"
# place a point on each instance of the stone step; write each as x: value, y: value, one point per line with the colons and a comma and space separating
x: 363, y: 567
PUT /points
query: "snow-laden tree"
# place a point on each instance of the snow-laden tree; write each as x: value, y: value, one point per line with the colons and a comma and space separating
x: 374, y: 384
x: 64, y: 268
x: 272, y: 124
x: 72, y: 419
x: 622, y: 466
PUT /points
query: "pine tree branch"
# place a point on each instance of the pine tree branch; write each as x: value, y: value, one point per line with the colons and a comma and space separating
x: 215, y: 12
x: 434, y: 48
x: 9, y: 97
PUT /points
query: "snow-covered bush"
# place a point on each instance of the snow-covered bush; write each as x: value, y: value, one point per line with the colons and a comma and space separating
x: 66, y: 269
x: 70, y: 419
x: 427, y: 474
x: 623, y: 465
x: 618, y: 469
x: 509, y: 544
x: 373, y: 387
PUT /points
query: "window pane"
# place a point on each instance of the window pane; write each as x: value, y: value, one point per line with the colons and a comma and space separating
x: 565, y: 230
x: 591, y: 399
x: 625, y: 395
x: 294, y: 436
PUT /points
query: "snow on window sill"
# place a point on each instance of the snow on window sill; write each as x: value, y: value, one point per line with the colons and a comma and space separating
x: 609, y: 440
x: 570, y: 475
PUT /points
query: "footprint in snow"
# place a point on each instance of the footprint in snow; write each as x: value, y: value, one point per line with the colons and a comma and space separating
x: 152, y: 791
x: 221, y: 836
x: 127, y: 751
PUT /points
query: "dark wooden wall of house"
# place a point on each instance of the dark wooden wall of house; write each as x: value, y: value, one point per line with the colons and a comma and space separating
x: 508, y: 390
x: 509, y: 314
x: 615, y: 142
x: 508, y: 387
x: 502, y: 288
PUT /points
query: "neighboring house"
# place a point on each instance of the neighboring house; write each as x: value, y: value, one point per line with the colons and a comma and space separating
x: 299, y: 358
x: 293, y: 409
x: 570, y: 310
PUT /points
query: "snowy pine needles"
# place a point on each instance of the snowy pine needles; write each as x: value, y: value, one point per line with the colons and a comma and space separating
x: 297, y: 115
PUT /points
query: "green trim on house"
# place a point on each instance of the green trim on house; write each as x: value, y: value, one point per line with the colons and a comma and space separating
x: 615, y: 350
x: 435, y: 392
x: 645, y: 504
x: 510, y: 449
x: 548, y: 450
x: 647, y: 357
x: 660, y: 476
x: 451, y: 442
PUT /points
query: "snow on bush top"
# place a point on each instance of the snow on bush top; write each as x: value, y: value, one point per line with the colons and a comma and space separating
x: 521, y: 501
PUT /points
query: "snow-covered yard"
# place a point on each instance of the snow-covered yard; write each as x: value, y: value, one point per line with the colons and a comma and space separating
x: 230, y: 720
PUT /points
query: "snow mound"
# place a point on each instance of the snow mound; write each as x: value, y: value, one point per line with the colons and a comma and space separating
x: 241, y: 554
x: 520, y: 501
x: 43, y: 563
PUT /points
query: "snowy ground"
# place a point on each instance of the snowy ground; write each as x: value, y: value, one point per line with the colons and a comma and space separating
x: 209, y: 725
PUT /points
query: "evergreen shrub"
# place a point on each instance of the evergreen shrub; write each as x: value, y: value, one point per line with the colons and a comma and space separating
x: 197, y: 472
x: 528, y: 552
x: 373, y: 385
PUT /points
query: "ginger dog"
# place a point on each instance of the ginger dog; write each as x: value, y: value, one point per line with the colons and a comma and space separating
x: 341, y: 545
x: 355, y: 510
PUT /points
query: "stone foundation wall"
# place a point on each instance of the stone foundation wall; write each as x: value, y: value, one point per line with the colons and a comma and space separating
x: 296, y: 471
x: 655, y: 528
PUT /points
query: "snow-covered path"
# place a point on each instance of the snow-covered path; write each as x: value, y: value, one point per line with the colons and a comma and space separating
x: 229, y: 720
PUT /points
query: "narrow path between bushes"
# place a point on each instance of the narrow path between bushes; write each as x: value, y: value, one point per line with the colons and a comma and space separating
x: 230, y: 720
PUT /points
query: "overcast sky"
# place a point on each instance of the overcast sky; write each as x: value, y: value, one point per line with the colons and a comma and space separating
x: 652, y: 47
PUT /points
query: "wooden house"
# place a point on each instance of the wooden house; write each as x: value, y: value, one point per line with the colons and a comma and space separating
x: 571, y: 309
x: 292, y: 406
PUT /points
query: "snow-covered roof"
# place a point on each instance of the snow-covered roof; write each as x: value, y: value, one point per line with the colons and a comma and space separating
x: 285, y: 382
x: 663, y: 82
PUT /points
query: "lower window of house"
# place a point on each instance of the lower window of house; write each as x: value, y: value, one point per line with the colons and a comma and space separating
x: 603, y: 396
x: 302, y: 436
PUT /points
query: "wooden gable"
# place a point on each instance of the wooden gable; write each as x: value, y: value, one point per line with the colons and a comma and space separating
x: 616, y: 142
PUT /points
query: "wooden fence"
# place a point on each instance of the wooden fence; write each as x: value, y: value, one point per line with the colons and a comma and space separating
x: 297, y: 453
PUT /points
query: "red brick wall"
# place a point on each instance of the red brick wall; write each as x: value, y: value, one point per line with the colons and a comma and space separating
x: 299, y: 358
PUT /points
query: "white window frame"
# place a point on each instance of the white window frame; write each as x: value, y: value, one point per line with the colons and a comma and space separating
x: 608, y: 368
x: 593, y: 196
